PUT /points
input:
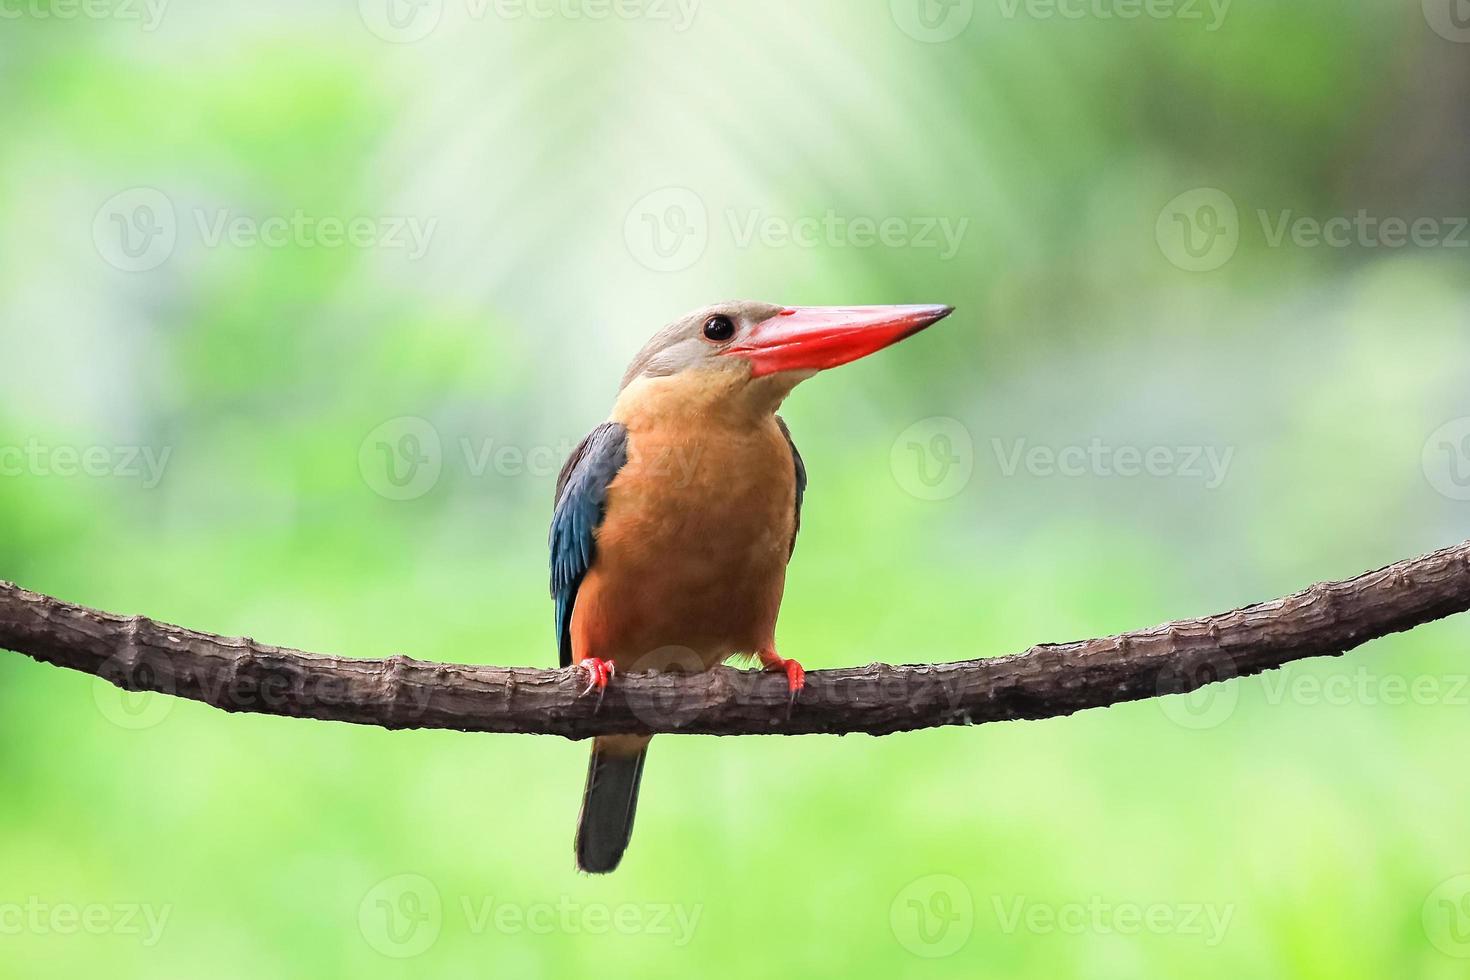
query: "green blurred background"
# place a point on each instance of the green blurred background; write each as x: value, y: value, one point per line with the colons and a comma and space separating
x: 354, y: 277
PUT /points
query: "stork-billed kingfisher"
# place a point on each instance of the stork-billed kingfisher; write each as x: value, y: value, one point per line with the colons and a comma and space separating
x: 675, y: 519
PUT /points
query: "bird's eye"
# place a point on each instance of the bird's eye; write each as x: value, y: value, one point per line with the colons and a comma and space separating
x: 719, y: 328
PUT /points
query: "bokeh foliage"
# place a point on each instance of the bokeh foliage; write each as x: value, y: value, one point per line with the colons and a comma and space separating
x: 1321, y: 825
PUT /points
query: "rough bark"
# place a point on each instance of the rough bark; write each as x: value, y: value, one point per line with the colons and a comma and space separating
x: 240, y: 674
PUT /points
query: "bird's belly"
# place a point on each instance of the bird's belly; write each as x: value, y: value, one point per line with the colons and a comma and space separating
x: 691, y: 561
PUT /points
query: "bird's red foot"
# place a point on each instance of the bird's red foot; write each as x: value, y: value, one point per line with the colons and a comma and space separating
x: 776, y: 664
x: 599, y: 672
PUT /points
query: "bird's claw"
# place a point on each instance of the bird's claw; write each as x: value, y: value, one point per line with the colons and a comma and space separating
x: 599, y: 672
x: 795, y: 674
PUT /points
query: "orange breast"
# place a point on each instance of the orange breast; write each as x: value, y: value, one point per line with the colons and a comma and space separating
x: 691, y: 556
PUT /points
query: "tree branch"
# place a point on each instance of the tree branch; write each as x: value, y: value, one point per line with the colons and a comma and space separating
x: 239, y: 674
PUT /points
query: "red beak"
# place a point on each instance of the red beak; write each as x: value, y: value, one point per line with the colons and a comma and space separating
x: 814, y: 338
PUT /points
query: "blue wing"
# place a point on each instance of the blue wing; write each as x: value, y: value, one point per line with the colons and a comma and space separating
x: 581, y: 500
x: 800, y: 480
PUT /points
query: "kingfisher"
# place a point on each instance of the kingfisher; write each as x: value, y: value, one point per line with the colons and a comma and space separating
x: 675, y: 519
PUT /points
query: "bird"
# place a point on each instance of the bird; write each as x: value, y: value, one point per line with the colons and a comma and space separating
x: 674, y: 520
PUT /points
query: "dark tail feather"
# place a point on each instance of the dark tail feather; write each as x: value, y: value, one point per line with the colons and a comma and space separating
x: 609, y: 802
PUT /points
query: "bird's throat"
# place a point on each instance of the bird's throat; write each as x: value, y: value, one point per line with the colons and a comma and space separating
x: 708, y: 399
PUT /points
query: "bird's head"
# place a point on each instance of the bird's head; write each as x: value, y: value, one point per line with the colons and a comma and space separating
x: 766, y: 350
